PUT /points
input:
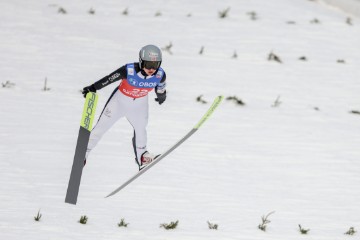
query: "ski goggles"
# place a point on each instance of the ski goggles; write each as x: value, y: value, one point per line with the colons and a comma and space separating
x: 151, y: 64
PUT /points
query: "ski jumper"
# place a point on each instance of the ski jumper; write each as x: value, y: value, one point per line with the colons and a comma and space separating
x: 129, y: 100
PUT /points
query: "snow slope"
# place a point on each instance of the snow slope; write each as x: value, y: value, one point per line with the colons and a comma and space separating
x: 349, y: 6
x: 299, y: 159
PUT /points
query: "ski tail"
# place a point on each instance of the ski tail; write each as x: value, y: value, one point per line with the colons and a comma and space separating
x: 206, y: 116
x: 81, y: 146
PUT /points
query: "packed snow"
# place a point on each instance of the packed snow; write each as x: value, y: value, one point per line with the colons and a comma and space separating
x: 349, y: 6
x: 291, y: 151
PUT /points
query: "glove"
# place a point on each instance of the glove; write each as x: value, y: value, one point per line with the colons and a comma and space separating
x: 87, y: 89
x: 161, y: 97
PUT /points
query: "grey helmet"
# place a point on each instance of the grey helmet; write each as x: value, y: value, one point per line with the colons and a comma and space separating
x: 150, y: 57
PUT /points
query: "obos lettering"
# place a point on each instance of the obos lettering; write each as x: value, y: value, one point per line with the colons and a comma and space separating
x: 147, y: 84
x: 89, y: 111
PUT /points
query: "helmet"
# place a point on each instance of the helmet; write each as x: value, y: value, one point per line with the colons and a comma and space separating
x: 150, y: 57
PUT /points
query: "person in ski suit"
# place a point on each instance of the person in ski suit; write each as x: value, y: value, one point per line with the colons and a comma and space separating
x: 130, y: 100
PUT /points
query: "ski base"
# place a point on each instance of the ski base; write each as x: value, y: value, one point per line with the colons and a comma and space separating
x: 81, y: 147
x: 77, y: 167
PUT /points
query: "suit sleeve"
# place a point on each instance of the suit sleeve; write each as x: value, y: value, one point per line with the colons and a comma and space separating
x: 161, y: 87
x: 111, y: 78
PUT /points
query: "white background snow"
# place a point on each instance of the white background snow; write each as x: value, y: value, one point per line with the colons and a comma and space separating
x: 300, y: 159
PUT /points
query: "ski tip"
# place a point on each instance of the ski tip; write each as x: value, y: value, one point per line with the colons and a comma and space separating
x: 218, y: 99
x: 212, y: 108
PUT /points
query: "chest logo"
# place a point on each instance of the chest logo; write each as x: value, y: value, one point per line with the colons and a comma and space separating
x: 133, y: 82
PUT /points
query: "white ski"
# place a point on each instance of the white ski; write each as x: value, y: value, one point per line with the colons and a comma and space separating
x: 158, y: 159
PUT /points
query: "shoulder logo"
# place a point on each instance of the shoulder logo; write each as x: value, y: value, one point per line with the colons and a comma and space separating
x: 159, y: 74
x: 131, y: 71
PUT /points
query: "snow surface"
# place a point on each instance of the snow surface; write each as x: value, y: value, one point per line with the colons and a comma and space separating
x: 349, y: 6
x: 300, y: 159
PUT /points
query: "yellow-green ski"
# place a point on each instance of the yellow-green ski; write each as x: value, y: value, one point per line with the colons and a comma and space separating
x: 89, y: 111
x: 81, y: 146
x: 215, y: 104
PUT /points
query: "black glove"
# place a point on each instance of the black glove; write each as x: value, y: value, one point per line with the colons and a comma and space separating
x: 87, y: 89
x: 161, y: 97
